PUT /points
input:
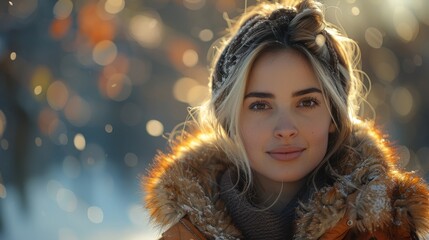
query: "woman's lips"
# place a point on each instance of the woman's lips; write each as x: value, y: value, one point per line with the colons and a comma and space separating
x: 286, y: 154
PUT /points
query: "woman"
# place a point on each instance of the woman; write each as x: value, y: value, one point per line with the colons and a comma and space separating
x: 278, y: 151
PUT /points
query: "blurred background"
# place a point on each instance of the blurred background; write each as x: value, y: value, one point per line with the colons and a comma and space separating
x: 89, y: 90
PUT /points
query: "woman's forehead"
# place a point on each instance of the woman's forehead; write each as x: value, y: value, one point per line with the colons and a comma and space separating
x: 285, y: 68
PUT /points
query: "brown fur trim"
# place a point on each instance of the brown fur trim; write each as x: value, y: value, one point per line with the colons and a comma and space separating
x: 184, y: 183
x: 322, y: 212
x: 411, y: 203
x: 372, y: 179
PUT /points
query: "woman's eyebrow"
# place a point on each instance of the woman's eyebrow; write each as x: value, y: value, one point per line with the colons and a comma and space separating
x: 306, y: 91
x: 259, y: 95
x: 270, y: 95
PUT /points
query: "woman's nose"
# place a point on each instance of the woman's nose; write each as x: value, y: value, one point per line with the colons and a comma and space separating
x: 285, y: 128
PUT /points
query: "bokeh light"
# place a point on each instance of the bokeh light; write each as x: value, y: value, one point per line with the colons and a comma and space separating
x: 114, y: 6
x: 108, y: 128
x: 23, y: 8
x: 79, y: 142
x: 402, y: 101
x: 38, y: 90
x: 194, y: 4
x: 154, y: 128
x: 63, y: 139
x: 60, y: 27
x: 136, y: 215
x: 13, y: 56
x: 131, y: 159
x: 38, y: 141
x: 63, y: 9
x: 320, y: 40
x: 118, y: 87
x: 66, y: 200
x: 95, y: 24
x: 52, y: 188
x: 190, y: 58
x: 4, y: 144
x: 182, y: 87
x: 57, y: 95
x: 384, y: 64
x: 404, y: 155
x: 41, y: 79
x: 423, y: 155
x: 120, y: 65
x: 355, y: 11
x: 177, y: 48
x: 374, y: 37
x: 47, y: 121
x: 114, y: 82
x: 2, y: 123
x: 78, y: 111
x: 147, y: 29
x: 420, y: 7
x: 3, y: 192
x: 406, y: 24
x: 377, y: 97
x: 197, y: 94
x: 95, y: 214
x: 190, y: 91
x: 206, y: 35
x: 58, y: 132
x: 104, y: 52
x: 93, y: 157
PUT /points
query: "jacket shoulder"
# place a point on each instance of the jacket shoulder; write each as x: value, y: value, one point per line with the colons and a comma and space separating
x: 182, y: 230
x: 372, y: 195
x: 183, y: 182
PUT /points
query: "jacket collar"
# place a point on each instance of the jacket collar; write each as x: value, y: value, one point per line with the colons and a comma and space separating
x: 184, y: 183
x: 369, y: 187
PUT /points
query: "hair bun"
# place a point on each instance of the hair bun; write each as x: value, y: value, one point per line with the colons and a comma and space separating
x: 283, y: 16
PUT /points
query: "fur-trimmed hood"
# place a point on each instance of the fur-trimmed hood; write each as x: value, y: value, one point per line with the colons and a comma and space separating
x: 372, y: 191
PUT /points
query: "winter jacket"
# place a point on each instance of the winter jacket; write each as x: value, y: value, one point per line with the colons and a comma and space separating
x: 373, y: 198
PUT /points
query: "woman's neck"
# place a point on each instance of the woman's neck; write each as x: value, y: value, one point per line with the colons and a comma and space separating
x: 275, y: 195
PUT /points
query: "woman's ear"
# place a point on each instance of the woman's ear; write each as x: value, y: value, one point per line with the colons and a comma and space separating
x: 332, y: 127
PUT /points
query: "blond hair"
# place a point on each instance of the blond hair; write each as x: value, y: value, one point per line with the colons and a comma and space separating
x: 298, y: 25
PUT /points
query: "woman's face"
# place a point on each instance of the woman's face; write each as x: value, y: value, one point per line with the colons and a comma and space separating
x: 284, y: 121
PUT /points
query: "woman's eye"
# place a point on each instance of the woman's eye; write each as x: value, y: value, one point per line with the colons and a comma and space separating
x: 258, y: 106
x: 309, y: 103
